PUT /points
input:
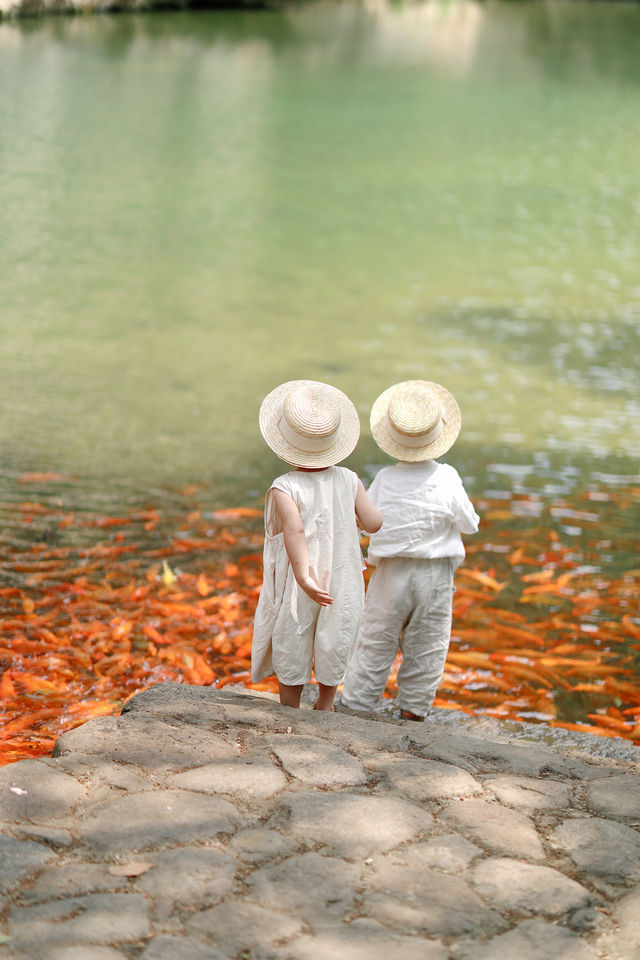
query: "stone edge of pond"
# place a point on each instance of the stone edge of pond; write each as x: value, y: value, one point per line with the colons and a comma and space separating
x: 541, y: 734
x: 567, y: 742
x: 492, y: 728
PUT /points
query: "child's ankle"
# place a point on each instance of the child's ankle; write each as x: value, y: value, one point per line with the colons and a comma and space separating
x: 324, y: 704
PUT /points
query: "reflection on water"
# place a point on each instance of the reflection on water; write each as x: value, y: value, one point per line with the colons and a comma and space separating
x: 198, y: 206
x: 375, y: 32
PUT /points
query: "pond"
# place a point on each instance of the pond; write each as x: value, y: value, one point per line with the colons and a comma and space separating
x: 197, y: 206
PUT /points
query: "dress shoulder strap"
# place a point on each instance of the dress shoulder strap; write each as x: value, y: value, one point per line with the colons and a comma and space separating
x: 348, y: 480
x: 285, y: 483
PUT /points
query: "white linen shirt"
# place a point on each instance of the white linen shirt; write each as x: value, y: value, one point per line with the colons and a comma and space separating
x: 424, y: 510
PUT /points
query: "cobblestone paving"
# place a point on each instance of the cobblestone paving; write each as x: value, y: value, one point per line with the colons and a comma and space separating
x: 257, y: 832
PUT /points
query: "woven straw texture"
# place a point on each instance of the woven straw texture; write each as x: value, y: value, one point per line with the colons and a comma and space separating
x: 310, y: 414
x: 408, y: 410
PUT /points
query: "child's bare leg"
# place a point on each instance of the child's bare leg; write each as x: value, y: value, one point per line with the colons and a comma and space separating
x: 290, y: 696
x: 325, y: 697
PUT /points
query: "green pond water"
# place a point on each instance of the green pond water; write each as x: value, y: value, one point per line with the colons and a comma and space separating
x: 198, y: 206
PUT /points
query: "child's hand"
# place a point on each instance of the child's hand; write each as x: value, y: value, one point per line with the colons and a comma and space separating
x: 312, y: 590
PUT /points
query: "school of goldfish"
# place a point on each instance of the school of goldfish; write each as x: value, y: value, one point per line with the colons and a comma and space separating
x: 94, y: 608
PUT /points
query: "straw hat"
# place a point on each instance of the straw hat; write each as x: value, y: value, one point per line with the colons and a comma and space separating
x: 415, y: 420
x: 309, y: 424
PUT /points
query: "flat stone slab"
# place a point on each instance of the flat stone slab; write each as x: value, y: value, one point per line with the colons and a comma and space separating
x: 236, y: 926
x: 244, y: 779
x: 189, y: 876
x: 532, y: 940
x: 95, y: 772
x: 68, y: 880
x: 529, y: 794
x: 185, y: 705
x: 97, y: 918
x: 485, y: 756
x: 44, y: 833
x: 363, y: 939
x: 421, y: 779
x: 527, y: 888
x: 33, y: 791
x: 450, y: 853
x: 127, y: 740
x: 141, y: 820
x: 317, y: 888
x: 180, y: 948
x: 354, y: 826
x: 74, y: 951
x: 616, y: 797
x: 623, y: 940
x: 586, y: 748
x: 498, y: 828
x: 258, y: 845
x: 600, y: 847
x: 364, y: 738
x: 425, y: 901
x: 268, y: 833
x: 19, y: 859
x: 316, y: 762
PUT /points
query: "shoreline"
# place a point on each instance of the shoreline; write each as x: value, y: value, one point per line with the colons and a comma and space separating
x: 493, y: 729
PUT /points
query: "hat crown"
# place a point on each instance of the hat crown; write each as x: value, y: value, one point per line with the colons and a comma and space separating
x: 413, y: 413
x: 312, y: 412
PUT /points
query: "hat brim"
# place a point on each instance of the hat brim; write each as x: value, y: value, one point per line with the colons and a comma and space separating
x: 388, y: 442
x: 341, y: 445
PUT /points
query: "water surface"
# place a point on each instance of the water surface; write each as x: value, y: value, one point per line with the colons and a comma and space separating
x: 197, y: 206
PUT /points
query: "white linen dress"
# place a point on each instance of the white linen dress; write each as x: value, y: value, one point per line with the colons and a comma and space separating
x: 292, y: 633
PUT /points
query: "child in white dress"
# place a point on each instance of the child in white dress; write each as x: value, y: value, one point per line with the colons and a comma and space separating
x: 312, y: 593
x: 425, y: 509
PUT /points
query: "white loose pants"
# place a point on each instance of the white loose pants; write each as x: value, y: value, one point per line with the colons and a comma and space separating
x: 408, y: 605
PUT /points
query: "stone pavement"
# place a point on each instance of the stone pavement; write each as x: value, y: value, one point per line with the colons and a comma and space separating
x: 203, y: 825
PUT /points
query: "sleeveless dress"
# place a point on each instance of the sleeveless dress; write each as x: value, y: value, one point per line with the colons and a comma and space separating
x: 292, y: 633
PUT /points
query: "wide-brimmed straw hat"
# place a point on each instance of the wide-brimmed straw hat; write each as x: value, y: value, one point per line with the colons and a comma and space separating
x: 309, y: 424
x: 415, y: 420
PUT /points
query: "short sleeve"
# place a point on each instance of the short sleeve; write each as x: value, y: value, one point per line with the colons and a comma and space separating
x: 348, y: 481
x: 271, y: 519
x: 282, y: 483
x: 464, y: 515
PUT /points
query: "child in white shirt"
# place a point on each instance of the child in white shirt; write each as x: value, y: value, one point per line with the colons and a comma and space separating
x: 424, y: 509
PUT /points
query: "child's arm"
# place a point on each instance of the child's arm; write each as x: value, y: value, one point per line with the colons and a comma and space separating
x: 368, y: 516
x: 465, y: 517
x: 295, y: 543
